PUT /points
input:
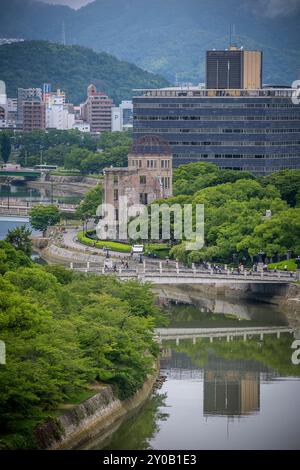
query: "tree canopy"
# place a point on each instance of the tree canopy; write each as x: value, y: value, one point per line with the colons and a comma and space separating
x: 64, y: 331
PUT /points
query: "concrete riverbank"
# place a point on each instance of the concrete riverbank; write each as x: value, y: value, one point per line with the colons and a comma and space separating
x: 96, y: 417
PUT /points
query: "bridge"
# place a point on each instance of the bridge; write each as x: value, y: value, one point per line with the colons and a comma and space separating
x: 177, y: 334
x: 171, y: 274
x: 25, y: 173
x: 22, y: 210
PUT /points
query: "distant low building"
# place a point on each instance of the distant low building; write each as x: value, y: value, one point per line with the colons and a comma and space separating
x: 81, y: 126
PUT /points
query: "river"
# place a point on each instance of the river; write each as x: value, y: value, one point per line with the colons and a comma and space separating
x: 23, y: 193
x: 220, y: 395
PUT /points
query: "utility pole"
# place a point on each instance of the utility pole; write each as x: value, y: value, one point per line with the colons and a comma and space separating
x: 63, y: 34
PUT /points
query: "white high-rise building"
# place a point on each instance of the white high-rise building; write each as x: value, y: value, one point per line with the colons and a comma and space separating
x: 3, y: 105
x: 57, y: 112
x: 122, y: 117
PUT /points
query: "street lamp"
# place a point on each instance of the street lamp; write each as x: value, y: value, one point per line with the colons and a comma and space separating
x: 298, y: 268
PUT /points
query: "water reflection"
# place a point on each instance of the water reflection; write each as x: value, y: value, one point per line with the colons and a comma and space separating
x: 220, y: 396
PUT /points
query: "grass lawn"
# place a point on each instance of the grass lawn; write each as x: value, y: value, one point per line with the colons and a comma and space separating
x: 290, y: 263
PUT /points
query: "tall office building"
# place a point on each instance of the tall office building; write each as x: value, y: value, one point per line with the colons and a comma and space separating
x: 97, y: 110
x: 33, y: 114
x: 234, y: 68
x: 25, y: 94
x: 252, y: 130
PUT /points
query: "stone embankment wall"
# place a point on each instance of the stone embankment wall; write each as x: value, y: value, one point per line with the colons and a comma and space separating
x: 94, y: 417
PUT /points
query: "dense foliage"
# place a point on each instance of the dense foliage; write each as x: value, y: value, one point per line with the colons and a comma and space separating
x: 72, y: 149
x: 72, y: 69
x: 88, y: 206
x: 64, y: 331
x: 235, y: 205
x: 19, y: 237
x: 5, y: 146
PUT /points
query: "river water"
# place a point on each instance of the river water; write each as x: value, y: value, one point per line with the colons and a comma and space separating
x: 23, y: 193
x: 220, y: 395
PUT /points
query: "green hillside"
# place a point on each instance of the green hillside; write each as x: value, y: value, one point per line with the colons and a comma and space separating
x: 168, y: 37
x: 71, y: 68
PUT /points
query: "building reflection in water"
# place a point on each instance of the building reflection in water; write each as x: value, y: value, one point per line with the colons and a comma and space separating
x: 230, y: 387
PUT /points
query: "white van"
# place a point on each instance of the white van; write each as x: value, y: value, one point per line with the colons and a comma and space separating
x: 137, y: 249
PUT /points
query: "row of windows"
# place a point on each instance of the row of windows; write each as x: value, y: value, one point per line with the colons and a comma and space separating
x: 238, y: 143
x: 213, y: 105
x: 216, y: 118
x: 260, y: 169
x: 217, y: 130
x: 212, y: 155
x: 151, y: 163
x: 217, y: 93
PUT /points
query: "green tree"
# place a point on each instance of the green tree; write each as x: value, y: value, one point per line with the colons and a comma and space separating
x: 288, y: 183
x: 5, y: 146
x: 88, y: 207
x: 41, y: 217
x: 19, y: 237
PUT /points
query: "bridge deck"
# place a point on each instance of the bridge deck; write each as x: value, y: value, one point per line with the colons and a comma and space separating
x: 183, y: 333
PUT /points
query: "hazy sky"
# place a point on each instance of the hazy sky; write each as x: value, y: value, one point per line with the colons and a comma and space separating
x: 70, y: 3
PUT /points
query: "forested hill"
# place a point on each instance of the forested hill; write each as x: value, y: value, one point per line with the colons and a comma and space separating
x: 168, y: 37
x: 71, y: 68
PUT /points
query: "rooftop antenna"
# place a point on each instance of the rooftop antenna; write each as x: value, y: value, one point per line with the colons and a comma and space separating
x: 63, y: 34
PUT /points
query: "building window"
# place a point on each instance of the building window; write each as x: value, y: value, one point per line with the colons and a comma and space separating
x: 116, y: 214
x: 116, y: 179
x: 165, y: 163
x: 144, y: 198
x: 165, y: 182
x: 116, y: 194
x: 142, y: 179
x: 151, y: 163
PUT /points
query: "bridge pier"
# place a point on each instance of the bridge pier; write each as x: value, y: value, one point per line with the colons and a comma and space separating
x: 177, y: 341
x: 228, y: 338
x: 71, y: 265
x: 194, y: 340
x: 278, y: 334
x: 261, y: 336
x: 211, y: 338
x: 245, y: 336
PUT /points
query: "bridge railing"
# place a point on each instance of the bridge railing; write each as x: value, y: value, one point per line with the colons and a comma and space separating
x: 141, y: 270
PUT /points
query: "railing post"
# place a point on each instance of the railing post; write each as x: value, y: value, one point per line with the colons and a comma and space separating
x: 88, y: 265
x: 194, y: 268
x: 160, y: 267
x: 144, y: 266
x: 120, y: 270
x: 71, y: 265
x: 177, y: 267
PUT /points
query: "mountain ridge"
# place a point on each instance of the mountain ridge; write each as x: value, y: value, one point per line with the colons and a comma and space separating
x: 168, y: 37
x: 71, y: 68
